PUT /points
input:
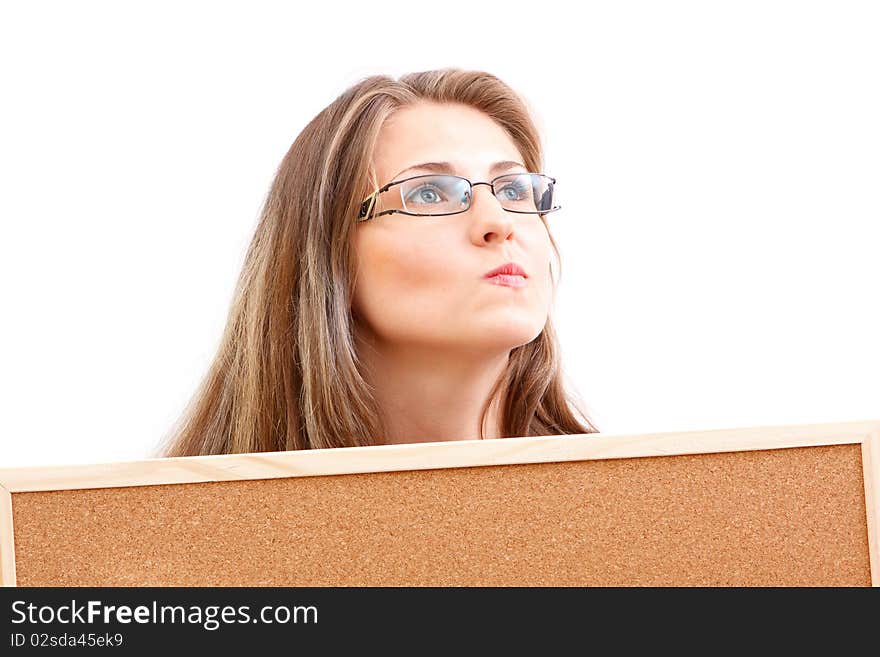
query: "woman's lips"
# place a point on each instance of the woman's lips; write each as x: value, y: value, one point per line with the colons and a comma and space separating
x: 510, y: 274
x: 507, y: 280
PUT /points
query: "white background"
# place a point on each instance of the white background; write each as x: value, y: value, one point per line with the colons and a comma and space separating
x: 719, y: 160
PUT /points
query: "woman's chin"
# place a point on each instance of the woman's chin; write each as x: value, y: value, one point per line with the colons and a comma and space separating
x: 510, y: 335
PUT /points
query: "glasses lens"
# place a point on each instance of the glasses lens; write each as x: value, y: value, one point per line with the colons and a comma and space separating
x: 440, y: 194
x: 525, y: 192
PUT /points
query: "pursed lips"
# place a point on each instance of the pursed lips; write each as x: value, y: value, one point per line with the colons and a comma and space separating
x: 510, y: 274
x: 507, y: 280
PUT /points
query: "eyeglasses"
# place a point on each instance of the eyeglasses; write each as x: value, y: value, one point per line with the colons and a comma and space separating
x: 437, y: 195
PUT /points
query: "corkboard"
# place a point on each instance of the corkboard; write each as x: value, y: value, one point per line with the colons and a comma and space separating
x: 765, y: 506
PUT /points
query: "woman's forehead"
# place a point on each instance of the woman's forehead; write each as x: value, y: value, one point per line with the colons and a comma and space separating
x: 462, y: 137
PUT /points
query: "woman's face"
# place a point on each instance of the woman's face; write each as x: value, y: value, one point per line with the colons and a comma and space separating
x: 421, y: 280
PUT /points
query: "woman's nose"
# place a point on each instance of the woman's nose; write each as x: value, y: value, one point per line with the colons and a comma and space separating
x: 484, y: 200
x: 487, y: 214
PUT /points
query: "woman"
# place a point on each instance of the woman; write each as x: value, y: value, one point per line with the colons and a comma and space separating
x: 364, y: 314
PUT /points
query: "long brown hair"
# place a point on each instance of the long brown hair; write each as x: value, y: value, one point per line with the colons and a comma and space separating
x: 287, y: 374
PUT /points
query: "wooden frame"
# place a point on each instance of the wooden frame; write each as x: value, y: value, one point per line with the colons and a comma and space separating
x: 453, y: 454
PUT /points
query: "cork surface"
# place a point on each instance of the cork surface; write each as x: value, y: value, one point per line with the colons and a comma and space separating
x: 780, y: 517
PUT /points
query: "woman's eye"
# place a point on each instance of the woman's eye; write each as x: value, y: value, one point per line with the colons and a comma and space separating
x: 424, y: 195
x: 514, y: 192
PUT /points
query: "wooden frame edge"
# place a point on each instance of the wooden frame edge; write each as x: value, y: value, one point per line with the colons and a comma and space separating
x: 429, y: 456
x: 871, y: 476
x: 7, y: 540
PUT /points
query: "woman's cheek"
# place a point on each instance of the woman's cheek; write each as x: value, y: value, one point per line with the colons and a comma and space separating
x: 399, y: 281
x: 410, y: 263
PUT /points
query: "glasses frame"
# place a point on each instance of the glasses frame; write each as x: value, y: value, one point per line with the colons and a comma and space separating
x: 368, y: 204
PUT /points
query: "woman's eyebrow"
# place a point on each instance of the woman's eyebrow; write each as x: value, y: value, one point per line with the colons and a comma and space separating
x: 444, y: 167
